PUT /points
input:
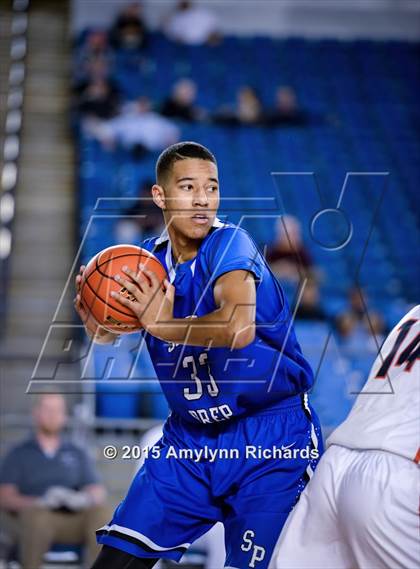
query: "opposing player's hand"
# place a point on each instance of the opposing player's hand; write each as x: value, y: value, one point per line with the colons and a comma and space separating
x: 152, y: 305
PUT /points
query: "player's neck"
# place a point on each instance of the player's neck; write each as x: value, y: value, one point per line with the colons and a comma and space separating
x: 183, y: 249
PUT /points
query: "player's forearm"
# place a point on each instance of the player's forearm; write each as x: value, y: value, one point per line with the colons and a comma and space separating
x: 219, y: 329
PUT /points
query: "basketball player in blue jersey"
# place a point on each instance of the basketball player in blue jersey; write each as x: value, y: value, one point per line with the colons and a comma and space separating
x: 223, y: 347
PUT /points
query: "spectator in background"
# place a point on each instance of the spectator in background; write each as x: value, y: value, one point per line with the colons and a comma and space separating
x: 94, y: 49
x: 192, y: 25
x: 310, y: 307
x: 135, y: 229
x: 180, y: 103
x: 49, y: 488
x: 136, y: 128
x: 355, y: 328
x: 288, y: 256
x: 99, y: 98
x: 129, y: 31
x: 287, y: 110
x: 94, y: 70
x: 248, y: 110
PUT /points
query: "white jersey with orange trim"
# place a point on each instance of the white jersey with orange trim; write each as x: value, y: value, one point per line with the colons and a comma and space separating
x: 386, y: 414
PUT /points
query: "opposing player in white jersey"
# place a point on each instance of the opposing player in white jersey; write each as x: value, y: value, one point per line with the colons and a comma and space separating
x: 361, y: 508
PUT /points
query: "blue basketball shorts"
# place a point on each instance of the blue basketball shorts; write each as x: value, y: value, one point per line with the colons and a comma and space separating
x: 247, y: 473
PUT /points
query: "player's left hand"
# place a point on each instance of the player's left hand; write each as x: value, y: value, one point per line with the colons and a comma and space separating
x: 152, y: 305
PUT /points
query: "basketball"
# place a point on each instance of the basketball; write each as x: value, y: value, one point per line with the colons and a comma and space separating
x: 98, y: 283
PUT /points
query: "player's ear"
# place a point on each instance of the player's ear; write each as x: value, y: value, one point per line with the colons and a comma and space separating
x: 158, y: 195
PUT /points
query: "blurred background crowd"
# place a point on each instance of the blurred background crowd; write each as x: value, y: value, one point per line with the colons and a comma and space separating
x: 262, y: 105
x: 300, y: 122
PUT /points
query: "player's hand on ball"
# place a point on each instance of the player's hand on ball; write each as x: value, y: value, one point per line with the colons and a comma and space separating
x: 81, y: 310
x: 92, y: 327
x: 152, y: 305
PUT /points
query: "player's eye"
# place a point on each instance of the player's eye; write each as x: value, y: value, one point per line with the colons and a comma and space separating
x: 212, y: 188
x: 187, y: 187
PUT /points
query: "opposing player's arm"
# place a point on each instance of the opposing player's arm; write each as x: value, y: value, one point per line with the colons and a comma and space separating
x: 231, y: 325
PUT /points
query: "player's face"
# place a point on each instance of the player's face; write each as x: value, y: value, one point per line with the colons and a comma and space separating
x: 191, y: 197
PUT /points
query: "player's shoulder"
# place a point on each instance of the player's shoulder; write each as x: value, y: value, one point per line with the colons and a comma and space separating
x: 413, y: 314
x: 225, y: 232
x: 410, y: 319
x: 150, y: 244
x: 156, y: 245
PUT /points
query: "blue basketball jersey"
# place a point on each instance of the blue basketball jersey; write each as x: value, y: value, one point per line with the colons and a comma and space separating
x: 215, y: 384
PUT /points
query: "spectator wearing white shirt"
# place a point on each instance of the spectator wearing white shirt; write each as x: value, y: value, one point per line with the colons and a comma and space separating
x: 136, y: 128
x: 192, y: 25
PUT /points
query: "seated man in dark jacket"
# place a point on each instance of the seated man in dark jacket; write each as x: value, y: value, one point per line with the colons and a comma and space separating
x: 49, y: 488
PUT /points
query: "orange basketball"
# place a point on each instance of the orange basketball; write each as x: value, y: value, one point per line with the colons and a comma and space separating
x: 98, y: 282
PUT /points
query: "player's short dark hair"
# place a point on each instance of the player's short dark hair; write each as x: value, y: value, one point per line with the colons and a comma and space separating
x: 180, y: 151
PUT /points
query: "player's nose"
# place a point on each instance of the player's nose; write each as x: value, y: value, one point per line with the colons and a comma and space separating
x: 200, y: 197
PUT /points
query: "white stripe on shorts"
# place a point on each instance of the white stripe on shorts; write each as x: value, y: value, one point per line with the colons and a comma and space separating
x: 142, y: 537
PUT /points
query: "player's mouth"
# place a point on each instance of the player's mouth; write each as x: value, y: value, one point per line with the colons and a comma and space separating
x: 200, y: 218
